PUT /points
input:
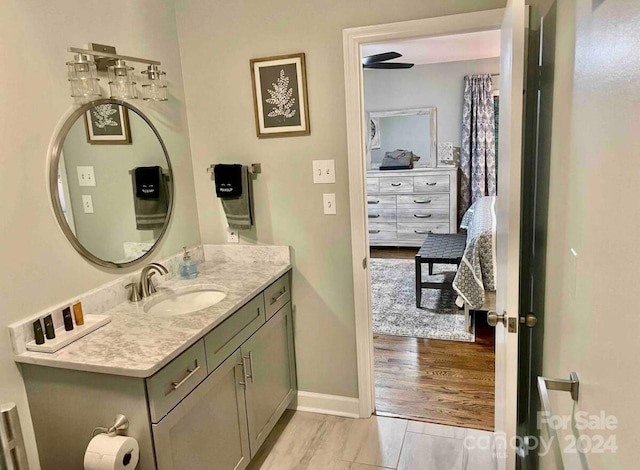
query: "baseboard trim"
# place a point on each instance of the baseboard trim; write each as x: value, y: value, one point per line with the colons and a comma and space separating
x: 326, y: 404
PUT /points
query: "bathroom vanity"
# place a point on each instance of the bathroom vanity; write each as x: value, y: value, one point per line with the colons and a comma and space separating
x: 200, y: 390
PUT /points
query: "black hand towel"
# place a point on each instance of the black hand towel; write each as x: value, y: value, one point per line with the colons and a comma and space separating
x: 228, y: 180
x: 148, y: 182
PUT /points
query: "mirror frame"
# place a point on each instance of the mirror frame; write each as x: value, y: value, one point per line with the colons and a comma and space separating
x: 430, y: 111
x: 54, y: 162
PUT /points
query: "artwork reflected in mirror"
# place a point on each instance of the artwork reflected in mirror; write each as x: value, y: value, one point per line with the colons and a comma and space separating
x: 409, y: 131
x: 115, y: 199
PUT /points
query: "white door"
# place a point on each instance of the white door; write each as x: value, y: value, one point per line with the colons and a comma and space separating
x: 508, y: 228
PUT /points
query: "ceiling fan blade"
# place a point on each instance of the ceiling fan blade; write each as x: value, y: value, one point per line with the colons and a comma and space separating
x: 389, y: 66
x: 380, y: 57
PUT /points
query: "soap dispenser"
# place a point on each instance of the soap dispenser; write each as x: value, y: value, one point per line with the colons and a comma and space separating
x: 188, y: 267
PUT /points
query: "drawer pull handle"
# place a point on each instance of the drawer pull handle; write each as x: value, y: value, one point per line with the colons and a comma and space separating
x: 373, y: 202
x: 431, y: 184
x: 249, y: 358
x: 190, y: 373
x: 374, y: 231
x: 422, y: 202
x: 422, y: 216
x: 396, y: 184
x: 423, y: 232
x: 282, y: 292
x: 374, y: 216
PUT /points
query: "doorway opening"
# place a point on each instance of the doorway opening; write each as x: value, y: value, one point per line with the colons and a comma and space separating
x: 428, y: 103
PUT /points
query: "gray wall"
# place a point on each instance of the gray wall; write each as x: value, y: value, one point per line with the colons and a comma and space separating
x: 40, y: 267
x: 217, y: 40
x: 113, y: 221
x: 439, y: 85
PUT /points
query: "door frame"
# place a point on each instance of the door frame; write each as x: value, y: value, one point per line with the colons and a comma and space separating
x: 353, y: 39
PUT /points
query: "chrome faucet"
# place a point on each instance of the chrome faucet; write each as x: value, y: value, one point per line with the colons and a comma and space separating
x: 146, y: 283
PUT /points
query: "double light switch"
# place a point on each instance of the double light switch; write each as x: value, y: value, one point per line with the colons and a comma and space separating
x: 324, y: 172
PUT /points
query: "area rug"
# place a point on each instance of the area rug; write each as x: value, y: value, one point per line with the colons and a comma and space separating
x: 394, y: 302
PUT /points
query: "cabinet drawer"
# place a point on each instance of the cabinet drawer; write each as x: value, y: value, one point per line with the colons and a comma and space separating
x: 235, y: 330
x: 386, y: 202
x: 382, y: 231
x: 373, y: 185
x: 396, y: 184
x: 277, y: 294
x: 431, y: 184
x: 420, y: 231
x: 174, y: 381
x: 421, y: 215
x: 381, y: 215
x: 422, y: 201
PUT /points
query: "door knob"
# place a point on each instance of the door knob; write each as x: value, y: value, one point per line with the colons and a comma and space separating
x: 494, y: 318
x: 529, y: 319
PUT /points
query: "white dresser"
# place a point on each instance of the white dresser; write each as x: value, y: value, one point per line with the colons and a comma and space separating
x: 406, y: 205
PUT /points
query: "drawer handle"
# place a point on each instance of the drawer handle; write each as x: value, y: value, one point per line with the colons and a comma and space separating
x: 423, y: 232
x: 374, y: 231
x: 374, y: 216
x: 431, y: 184
x: 244, y: 368
x: 190, y: 373
x: 373, y: 202
x: 422, y: 216
x: 422, y: 202
x: 397, y: 184
x: 282, y: 292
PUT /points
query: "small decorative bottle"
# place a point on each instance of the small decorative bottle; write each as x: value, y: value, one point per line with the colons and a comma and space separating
x: 188, y: 267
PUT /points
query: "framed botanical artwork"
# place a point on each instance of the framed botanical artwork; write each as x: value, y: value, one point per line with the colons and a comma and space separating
x: 280, y: 96
x: 107, y: 124
x: 374, y: 131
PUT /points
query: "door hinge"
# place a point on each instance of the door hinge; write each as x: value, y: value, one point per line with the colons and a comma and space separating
x: 364, y: 263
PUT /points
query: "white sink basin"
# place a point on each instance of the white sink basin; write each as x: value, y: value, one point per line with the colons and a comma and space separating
x: 184, y: 301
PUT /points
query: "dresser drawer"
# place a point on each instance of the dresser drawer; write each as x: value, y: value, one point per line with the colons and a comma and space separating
x: 421, y: 215
x: 277, y: 294
x: 381, y: 202
x: 381, y: 215
x: 383, y: 231
x: 373, y: 185
x: 418, y: 231
x: 176, y: 380
x: 235, y: 330
x: 431, y: 184
x: 424, y: 201
x: 396, y: 184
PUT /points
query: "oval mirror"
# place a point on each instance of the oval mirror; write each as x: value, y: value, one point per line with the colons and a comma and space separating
x: 111, y: 183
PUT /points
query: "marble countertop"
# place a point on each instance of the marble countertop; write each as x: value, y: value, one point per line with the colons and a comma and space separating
x: 138, y: 344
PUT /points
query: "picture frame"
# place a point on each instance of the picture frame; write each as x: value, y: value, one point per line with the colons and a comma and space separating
x: 374, y: 132
x: 107, y: 124
x: 446, y: 152
x: 280, y: 96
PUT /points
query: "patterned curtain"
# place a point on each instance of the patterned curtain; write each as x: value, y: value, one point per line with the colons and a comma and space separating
x: 478, y: 151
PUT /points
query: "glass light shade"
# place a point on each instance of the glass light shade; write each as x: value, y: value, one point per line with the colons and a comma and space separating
x: 154, y: 84
x: 83, y: 78
x: 122, y: 81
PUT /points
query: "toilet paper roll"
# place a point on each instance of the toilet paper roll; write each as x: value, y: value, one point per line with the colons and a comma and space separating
x: 111, y: 453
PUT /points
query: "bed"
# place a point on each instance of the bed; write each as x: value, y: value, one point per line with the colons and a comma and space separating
x: 475, y: 280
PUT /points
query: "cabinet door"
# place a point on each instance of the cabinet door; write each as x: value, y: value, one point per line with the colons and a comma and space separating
x: 208, y: 429
x: 270, y: 375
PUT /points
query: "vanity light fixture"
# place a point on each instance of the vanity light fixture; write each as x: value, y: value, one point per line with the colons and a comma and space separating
x: 154, y: 86
x: 87, y: 63
x: 83, y: 77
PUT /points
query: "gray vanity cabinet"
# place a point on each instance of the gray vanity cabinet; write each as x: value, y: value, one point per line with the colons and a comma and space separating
x: 208, y: 429
x: 270, y: 375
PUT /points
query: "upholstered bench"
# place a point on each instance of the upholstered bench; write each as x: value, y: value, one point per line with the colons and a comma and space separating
x: 440, y: 248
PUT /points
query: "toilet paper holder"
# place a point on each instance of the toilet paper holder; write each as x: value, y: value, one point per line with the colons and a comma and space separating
x: 120, y: 424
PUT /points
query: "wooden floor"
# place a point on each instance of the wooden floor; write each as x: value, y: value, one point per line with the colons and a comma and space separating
x: 438, y: 381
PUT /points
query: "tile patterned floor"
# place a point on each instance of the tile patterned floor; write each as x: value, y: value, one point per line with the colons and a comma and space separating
x: 308, y: 441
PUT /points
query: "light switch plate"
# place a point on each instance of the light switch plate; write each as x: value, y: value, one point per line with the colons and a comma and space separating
x: 87, y: 204
x: 324, y: 171
x: 329, y: 203
x: 86, y: 176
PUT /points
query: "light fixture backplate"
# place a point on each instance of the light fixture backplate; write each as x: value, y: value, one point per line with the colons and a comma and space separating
x: 103, y: 62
